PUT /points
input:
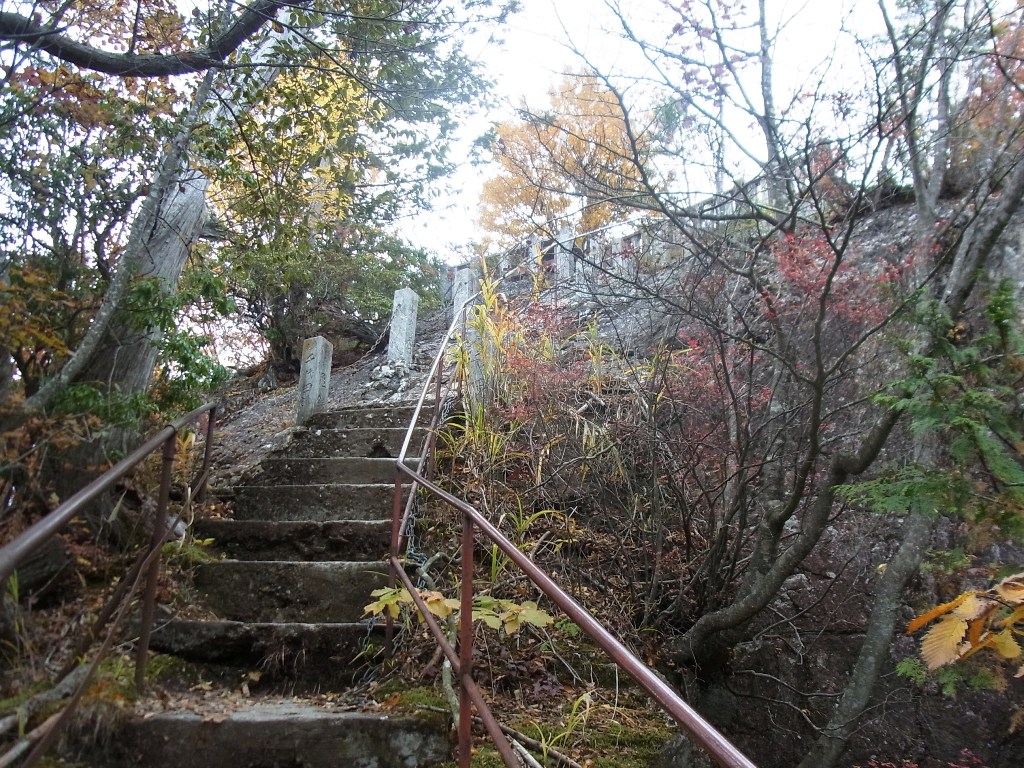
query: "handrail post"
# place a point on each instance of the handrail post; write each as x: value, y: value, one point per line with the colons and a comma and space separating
x: 427, y: 457
x: 396, y: 540
x: 466, y: 644
x: 200, y: 494
x: 157, y: 540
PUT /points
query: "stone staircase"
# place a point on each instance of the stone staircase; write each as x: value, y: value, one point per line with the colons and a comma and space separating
x: 302, y: 553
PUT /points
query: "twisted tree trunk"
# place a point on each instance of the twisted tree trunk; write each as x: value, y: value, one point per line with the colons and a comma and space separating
x: 875, y: 650
x: 973, y: 253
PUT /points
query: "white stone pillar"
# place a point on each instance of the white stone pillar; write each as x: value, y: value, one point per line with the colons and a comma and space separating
x: 314, y: 377
x: 403, y: 326
x: 565, y: 261
x: 465, y: 286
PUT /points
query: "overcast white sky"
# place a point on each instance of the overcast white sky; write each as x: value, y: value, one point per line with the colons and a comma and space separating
x: 524, y: 62
x: 534, y: 52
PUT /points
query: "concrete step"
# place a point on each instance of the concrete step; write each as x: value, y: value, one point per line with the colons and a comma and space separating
x: 369, y: 442
x: 369, y: 501
x: 286, y: 591
x: 297, y: 539
x: 335, y: 471
x: 276, y: 733
x: 294, y: 650
x: 346, y: 418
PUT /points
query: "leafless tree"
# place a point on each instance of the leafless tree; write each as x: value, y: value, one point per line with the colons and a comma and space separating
x: 767, y: 286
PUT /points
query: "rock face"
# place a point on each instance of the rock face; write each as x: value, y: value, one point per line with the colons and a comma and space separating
x: 301, y: 555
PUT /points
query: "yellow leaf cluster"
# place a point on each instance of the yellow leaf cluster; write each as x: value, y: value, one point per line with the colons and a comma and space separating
x: 578, y: 154
x: 510, y: 616
x: 303, y: 169
x: 942, y: 643
x: 496, y: 614
x: 975, y: 621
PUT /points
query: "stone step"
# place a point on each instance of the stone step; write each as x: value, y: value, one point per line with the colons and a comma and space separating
x: 287, y: 591
x: 297, y: 539
x: 346, y: 418
x: 370, y: 501
x: 341, y: 471
x: 276, y: 733
x: 291, y: 650
x: 369, y: 442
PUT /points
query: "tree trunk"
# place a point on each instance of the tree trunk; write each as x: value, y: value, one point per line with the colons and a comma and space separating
x: 92, y: 345
x: 120, y: 349
x: 125, y: 362
x: 128, y: 353
x: 874, y: 651
x: 779, y: 174
x: 975, y: 249
x: 701, y: 641
x: 911, y: 90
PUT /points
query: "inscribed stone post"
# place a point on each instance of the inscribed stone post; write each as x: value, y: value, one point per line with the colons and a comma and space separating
x: 314, y: 377
x: 565, y: 265
x: 464, y: 288
x: 403, y: 326
x: 565, y: 261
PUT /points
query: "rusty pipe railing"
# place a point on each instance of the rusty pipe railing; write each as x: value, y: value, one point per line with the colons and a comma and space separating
x: 29, y: 541
x: 702, y: 732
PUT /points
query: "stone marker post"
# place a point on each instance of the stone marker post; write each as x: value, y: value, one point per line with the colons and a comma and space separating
x: 465, y: 286
x: 565, y: 260
x: 403, y: 326
x: 314, y: 377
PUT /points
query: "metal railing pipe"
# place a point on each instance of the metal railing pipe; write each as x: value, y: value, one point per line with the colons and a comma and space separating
x: 713, y: 742
x: 32, y: 538
x: 501, y: 742
x: 25, y: 544
x: 703, y: 733
x: 199, y: 491
x: 434, y: 371
x: 153, y: 573
x: 466, y: 643
x: 28, y: 541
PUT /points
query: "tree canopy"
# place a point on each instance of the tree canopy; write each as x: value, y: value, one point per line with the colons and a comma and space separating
x: 244, y: 161
x: 805, y: 374
x: 575, y: 162
x: 55, y: 36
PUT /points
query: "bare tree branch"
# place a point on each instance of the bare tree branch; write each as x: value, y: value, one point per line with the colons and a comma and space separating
x: 23, y: 31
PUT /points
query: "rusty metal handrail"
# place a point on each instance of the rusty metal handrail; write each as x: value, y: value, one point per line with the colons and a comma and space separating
x: 28, y: 541
x: 709, y: 738
x: 17, y: 551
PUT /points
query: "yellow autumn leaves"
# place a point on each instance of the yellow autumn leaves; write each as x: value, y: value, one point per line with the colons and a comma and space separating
x: 974, y: 621
x: 495, y: 613
x: 578, y: 153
